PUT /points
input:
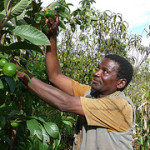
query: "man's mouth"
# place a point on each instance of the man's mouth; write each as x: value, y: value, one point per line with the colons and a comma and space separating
x: 95, y: 81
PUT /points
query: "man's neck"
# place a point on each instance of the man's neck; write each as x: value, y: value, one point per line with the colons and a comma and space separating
x: 97, y: 94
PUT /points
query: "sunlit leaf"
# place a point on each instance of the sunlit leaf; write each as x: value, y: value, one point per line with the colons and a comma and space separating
x: 32, y: 34
x: 67, y: 123
x: 54, y: 4
x: 19, y: 8
x: 38, y: 118
x: 34, y: 128
x: 94, y: 18
x: 52, y: 129
x: 6, y: 5
x: 46, y: 137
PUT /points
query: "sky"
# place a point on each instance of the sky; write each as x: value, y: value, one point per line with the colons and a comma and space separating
x: 135, y: 12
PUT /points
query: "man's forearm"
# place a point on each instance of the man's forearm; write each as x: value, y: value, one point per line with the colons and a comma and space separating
x: 48, y: 93
x: 52, y: 63
x: 52, y: 95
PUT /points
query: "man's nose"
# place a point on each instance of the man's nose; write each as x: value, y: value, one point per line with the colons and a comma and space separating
x: 98, y: 72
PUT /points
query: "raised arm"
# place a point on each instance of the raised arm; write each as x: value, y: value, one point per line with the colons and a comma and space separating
x: 52, y: 64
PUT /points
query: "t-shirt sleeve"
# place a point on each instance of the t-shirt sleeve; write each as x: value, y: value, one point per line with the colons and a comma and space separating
x: 79, y: 89
x: 113, y: 113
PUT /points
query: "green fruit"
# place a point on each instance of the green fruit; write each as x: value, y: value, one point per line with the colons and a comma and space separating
x: 23, y: 61
x: 50, y: 14
x: 14, y: 124
x: 3, y: 62
x: 9, y: 69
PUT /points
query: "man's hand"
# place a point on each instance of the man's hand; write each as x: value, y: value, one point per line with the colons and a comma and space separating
x: 52, y: 23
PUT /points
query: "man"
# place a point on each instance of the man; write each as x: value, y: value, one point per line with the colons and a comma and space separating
x: 106, y: 117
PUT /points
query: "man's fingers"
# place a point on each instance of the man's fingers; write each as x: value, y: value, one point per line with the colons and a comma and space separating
x: 52, y: 23
x: 51, y: 20
x: 51, y: 8
x: 57, y: 18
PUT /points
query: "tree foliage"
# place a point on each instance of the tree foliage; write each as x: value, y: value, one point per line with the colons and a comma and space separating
x: 84, y: 37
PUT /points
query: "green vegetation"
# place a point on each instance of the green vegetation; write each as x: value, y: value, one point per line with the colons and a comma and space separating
x: 23, y: 61
x: 90, y: 34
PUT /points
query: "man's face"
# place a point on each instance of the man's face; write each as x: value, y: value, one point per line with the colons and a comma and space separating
x: 105, y: 77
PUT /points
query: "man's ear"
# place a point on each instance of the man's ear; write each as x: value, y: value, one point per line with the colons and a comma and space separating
x: 121, y: 83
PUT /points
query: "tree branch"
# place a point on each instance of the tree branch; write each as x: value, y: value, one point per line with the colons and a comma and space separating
x: 6, y: 17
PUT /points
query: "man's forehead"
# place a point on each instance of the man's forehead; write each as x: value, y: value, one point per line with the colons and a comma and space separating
x: 108, y: 63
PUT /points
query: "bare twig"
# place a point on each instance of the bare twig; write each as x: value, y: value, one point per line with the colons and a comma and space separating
x: 6, y: 18
x: 3, y: 38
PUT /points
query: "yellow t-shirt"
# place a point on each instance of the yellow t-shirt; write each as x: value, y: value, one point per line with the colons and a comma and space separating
x: 112, y: 112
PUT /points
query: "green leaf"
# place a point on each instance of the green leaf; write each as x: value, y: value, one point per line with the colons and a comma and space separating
x: 10, y: 83
x: 1, y: 84
x: 61, y: 24
x: 71, y: 119
x: 19, y: 20
x: 46, y: 137
x: 34, y: 128
x: 43, y: 146
x: 2, y: 122
x: 13, y: 113
x: 68, y: 123
x: 141, y: 140
x: 56, y: 142
x: 37, y: 118
x: 45, y: 28
x: 63, y: 12
x: 19, y: 8
x: 52, y: 129
x: 4, y: 56
x: 94, y: 18
x: 54, y: 4
x: 3, y: 12
x: 76, y: 12
x: 20, y: 45
x: 6, y: 5
x: 3, y: 106
x: 70, y: 4
x: 32, y: 34
x: 2, y: 16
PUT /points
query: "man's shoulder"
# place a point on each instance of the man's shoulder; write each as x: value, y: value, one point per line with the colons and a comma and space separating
x: 80, y: 89
x: 121, y: 95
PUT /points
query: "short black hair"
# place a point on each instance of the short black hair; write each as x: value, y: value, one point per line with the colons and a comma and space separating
x: 125, y: 70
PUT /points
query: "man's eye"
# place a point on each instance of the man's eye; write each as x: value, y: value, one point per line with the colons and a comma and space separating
x: 105, y: 71
x: 97, y: 69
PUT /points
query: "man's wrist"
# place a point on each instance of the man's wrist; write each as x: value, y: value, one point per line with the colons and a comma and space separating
x: 25, y: 77
x: 52, y: 37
